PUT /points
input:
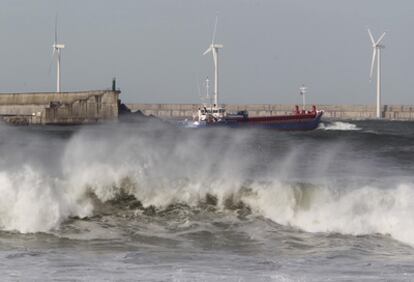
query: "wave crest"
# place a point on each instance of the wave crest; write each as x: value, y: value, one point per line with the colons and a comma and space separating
x: 338, y: 125
x: 154, y: 172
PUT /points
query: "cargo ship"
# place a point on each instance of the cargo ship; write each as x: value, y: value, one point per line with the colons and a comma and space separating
x: 218, y: 117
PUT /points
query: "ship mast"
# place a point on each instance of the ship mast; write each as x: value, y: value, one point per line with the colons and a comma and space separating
x: 302, y: 91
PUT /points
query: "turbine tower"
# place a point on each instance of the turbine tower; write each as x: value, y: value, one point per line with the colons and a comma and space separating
x: 214, y: 50
x: 56, y: 50
x: 376, y: 56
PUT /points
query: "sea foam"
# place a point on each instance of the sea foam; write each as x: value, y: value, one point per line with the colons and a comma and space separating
x: 161, y: 169
x: 338, y: 125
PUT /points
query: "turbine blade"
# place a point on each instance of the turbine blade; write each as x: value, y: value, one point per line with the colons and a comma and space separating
x: 370, y: 36
x: 214, y: 31
x: 379, y: 39
x: 374, y: 53
x: 207, y: 51
x: 56, y: 34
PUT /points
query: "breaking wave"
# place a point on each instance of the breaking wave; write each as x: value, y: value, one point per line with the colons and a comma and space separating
x: 153, y: 170
x: 339, y: 125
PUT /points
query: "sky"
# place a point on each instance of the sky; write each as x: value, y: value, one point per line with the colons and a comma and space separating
x: 154, y: 49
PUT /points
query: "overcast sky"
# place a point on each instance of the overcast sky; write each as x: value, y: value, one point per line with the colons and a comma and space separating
x: 154, y: 48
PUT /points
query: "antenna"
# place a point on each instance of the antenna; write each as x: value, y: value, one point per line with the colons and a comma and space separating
x: 208, y: 97
x: 207, y: 90
x: 302, y: 90
x: 198, y: 88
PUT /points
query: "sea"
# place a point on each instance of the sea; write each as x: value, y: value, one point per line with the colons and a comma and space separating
x: 144, y: 200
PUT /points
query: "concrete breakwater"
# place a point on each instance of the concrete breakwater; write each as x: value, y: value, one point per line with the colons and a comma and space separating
x: 339, y: 112
x: 59, y: 108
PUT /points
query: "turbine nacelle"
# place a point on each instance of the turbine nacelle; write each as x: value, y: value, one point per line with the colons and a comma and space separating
x: 58, y: 46
x: 376, y: 44
x: 213, y: 46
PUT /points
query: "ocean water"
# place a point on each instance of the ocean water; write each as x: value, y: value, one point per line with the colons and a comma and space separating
x: 144, y: 200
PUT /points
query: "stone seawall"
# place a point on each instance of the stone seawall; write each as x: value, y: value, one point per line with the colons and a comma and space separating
x: 340, y: 112
x: 59, y: 108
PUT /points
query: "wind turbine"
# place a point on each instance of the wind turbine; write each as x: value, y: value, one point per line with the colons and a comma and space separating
x: 56, y: 50
x: 376, y: 55
x: 213, y: 48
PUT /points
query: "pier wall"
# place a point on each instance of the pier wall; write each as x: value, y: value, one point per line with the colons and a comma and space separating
x: 59, y: 108
x: 339, y: 112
